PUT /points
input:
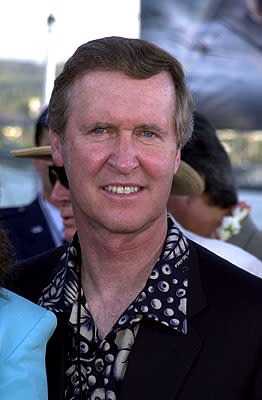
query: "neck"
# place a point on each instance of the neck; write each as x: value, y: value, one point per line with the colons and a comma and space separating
x: 115, y: 268
x: 112, y: 260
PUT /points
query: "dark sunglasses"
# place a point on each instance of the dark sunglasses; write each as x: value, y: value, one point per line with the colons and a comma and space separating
x: 57, y: 173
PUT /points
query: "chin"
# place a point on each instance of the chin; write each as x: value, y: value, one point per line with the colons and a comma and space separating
x: 127, y: 224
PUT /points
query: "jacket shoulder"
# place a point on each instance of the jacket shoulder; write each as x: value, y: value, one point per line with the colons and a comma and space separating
x: 29, y: 277
x: 13, y: 212
x: 18, y: 218
x: 25, y: 316
x: 28, y: 230
x: 25, y: 329
x: 223, y: 281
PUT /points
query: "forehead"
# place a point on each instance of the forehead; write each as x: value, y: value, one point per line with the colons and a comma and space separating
x: 112, y: 77
x: 113, y: 88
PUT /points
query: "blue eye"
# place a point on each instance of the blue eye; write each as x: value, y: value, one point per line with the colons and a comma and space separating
x: 99, y: 131
x: 148, y: 134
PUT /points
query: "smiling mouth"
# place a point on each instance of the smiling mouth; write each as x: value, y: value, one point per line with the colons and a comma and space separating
x: 122, y: 189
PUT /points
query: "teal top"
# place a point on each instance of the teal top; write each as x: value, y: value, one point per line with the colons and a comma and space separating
x: 25, y: 329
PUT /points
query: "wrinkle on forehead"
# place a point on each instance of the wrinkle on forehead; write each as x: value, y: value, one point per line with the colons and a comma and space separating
x: 121, y: 91
x: 89, y: 81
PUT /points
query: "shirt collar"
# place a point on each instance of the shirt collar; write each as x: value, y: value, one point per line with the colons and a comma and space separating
x: 53, y: 219
x: 164, y: 297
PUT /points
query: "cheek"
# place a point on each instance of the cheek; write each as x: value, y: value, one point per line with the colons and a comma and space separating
x: 160, y: 163
x: 89, y: 153
x: 83, y: 166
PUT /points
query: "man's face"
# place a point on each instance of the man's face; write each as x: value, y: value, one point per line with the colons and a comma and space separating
x: 61, y: 196
x: 119, y: 149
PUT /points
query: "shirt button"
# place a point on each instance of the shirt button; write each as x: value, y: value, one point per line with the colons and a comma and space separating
x: 99, y: 365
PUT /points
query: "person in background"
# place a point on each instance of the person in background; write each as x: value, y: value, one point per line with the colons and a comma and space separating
x: 143, y: 312
x: 25, y: 329
x: 61, y: 195
x: 215, y: 213
x: 38, y: 226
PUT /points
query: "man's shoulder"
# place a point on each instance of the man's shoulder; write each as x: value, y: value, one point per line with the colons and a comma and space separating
x: 211, y: 263
x: 223, y: 280
x: 49, y: 258
x: 27, y: 229
x: 28, y: 277
x: 19, y: 211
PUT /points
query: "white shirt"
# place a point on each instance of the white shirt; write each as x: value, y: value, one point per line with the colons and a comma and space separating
x: 234, y: 254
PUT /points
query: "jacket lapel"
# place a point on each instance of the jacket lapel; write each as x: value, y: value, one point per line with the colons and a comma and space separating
x: 162, y: 357
x: 159, y: 362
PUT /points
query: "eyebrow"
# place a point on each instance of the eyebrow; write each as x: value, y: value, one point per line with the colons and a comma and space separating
x: 103, y: 124
x: 83, y: 127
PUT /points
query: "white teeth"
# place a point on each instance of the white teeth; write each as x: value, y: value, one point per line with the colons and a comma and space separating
x: 122, y: 189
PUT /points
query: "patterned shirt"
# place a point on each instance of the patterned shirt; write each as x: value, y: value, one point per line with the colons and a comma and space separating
x: 95, y: 367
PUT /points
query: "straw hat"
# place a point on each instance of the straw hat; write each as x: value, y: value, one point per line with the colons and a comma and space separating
x: 40, y: 152
x: 186, y: 181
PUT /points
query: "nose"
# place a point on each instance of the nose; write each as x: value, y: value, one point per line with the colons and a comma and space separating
x: 60, y: 193
x: 124, y: 156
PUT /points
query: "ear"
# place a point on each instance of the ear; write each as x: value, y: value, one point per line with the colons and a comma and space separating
x: 177, y: 160
x: 56, y: 149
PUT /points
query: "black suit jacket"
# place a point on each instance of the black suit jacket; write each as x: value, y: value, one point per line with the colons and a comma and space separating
x: 27, y: 229
x: 219, y: 358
